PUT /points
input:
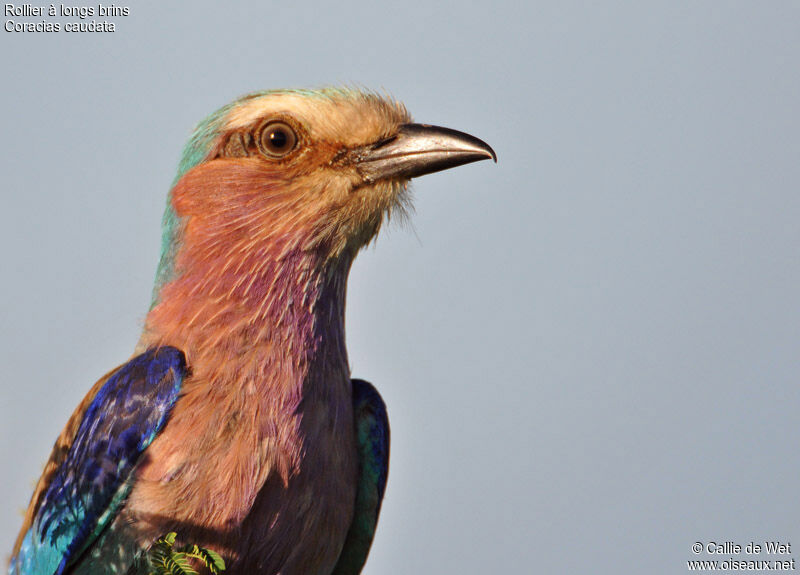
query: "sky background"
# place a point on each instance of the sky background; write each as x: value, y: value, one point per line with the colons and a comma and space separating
x: 590, y: 351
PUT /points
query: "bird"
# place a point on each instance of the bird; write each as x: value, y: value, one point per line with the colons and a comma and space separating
x: 236, y: 423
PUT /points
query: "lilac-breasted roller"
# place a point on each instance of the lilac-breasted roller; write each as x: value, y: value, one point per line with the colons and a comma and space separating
x: 236, y: 424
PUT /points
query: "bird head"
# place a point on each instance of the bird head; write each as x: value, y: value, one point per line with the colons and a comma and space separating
x: 281, y: 173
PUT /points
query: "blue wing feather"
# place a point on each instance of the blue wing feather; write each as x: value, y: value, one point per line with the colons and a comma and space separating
x: 86, y: 490
x: 372, y: 434
x: 372, y: 426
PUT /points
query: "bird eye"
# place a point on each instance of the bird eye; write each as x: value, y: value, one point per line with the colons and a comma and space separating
x: 277, y: 139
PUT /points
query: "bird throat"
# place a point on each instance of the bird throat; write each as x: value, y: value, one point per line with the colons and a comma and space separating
x: 268, y: 399
x: 244, y: 269
x: 262, y: 327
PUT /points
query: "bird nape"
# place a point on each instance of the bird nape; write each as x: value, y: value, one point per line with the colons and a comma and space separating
x: 236, y: 424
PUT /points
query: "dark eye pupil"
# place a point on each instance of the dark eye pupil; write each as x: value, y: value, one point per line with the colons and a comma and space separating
x: 278, y: 139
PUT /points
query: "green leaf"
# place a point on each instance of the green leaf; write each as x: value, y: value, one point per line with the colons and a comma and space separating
x: 216, y: 559
x: 182, y: 561
x: 163, y: 559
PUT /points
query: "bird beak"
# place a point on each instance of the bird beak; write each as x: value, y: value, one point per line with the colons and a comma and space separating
x: 419, y: 149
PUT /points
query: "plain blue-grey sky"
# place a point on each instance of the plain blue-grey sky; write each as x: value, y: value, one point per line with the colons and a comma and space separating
x: 590, y: 351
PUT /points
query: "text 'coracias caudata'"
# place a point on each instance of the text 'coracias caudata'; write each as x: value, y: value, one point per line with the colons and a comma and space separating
x: 236, y: 424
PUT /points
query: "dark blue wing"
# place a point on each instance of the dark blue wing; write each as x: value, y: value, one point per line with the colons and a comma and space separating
x: 90, y: 484
x: 372, y: 432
